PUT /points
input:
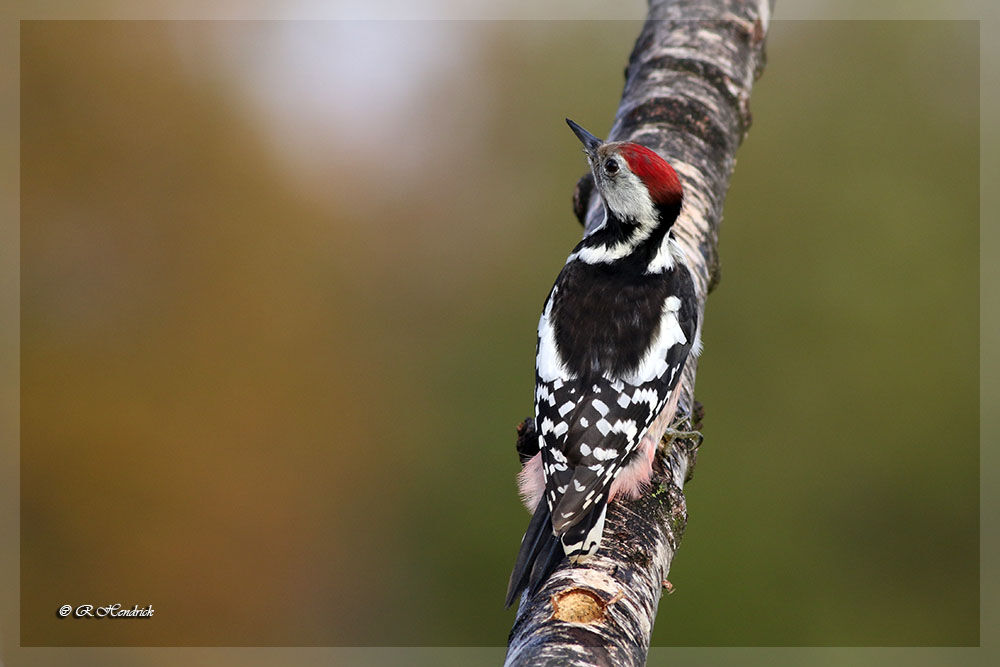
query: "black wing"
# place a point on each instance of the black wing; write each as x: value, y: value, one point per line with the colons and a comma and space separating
x: 587, y: 431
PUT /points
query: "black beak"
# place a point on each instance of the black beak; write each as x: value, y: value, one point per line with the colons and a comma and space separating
x: 590, y: 142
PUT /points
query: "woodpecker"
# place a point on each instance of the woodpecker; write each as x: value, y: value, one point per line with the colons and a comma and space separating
x: 615, y: 332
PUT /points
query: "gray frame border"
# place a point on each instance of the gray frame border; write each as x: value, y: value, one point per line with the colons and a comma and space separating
x: 983, y: 11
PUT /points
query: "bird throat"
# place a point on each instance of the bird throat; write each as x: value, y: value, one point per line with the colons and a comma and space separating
x: 627, y: 243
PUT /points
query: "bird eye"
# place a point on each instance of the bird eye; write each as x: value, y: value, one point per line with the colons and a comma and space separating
x: 611, y: 167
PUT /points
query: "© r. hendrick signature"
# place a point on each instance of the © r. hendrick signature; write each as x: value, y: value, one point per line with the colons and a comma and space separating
x: 106, y: 611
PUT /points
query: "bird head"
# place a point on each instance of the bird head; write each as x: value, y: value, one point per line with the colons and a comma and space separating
x: 634, y: 181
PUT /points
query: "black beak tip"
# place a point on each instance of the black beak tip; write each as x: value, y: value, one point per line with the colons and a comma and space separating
x: 590, y: 142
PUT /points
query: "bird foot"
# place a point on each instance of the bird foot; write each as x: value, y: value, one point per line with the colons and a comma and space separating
x: 675, y: 432
x: 672, y: 434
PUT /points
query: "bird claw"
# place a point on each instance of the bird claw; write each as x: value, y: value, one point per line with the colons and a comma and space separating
x: 675, y: 432
x: 672, y: 434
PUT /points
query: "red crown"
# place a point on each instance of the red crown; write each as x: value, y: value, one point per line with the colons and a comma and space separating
x: 659, y: 177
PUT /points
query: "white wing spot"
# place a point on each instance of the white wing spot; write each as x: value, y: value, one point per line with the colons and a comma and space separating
x: 566, y: 407
x: 600, y: 407
x: 627, y: 427
x: 645, y: 396
x: 605, y: 454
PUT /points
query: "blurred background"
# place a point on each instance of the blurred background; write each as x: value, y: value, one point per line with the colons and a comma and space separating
x: 279, y: 288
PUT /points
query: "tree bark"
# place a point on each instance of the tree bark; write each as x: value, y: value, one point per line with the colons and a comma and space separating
x: 687, y: 91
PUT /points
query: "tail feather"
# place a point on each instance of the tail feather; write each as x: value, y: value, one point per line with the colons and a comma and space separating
x: 545, y: 564
x: 539, y: 554
x: 582, y: 540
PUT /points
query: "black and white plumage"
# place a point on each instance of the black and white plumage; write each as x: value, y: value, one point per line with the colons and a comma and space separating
x: 613, y: 338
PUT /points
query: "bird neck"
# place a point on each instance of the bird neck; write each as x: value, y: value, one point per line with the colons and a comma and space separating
x: 629, y: 244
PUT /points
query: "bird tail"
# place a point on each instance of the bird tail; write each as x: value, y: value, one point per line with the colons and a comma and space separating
x: 582, y: 540
x: 539, y: 555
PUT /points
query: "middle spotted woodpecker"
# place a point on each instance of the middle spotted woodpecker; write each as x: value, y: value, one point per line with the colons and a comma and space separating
x: 614, y: 335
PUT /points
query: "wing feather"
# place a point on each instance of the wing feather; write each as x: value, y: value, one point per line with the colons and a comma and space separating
x: 587, y: 431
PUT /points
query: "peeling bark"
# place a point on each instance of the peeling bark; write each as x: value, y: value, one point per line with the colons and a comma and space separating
x: 687, y: 92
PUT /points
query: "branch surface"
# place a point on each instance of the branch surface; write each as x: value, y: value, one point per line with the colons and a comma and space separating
x: 687, y: 92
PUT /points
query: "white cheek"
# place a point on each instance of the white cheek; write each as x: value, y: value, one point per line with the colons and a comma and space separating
x: 628, y: 197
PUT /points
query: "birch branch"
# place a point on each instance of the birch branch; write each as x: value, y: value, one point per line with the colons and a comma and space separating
x: 687, y: 92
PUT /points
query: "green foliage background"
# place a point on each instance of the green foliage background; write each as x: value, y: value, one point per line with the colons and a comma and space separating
x: 282, y: 391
